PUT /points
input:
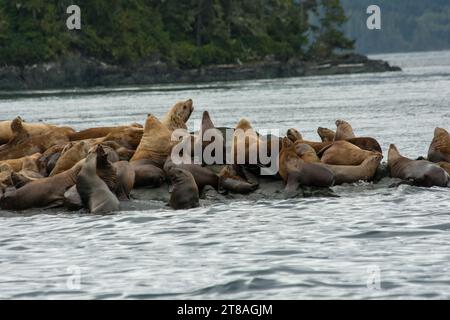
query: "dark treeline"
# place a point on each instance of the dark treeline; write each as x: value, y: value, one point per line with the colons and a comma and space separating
x: 181, y: 33
x: 407, y: 25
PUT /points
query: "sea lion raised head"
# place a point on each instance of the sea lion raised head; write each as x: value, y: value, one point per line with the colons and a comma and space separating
x: 294, y: 135
x: 344, y: 131
x: 178, y: 115
x: 440, y: 146
x: 327, y: 135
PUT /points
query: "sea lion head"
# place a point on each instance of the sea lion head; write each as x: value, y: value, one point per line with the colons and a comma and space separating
x: 178, y: 115
x: 344, y: 130
x: 294, y: 135
x: 244, y: 124
x: 393, y: 153
x: 440, y: 132
x: 327, y: 135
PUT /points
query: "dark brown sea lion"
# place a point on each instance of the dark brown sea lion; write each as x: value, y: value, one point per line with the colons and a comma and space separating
x: 185, y: 194
x: 419, y: 172
x: 72, y: 153
x: 236, y: 179
x: 366, y: 143
x: 350, y: 174
x: 156, y: 143
x: 147, y: 174
x: 47, y: 192
x: 202, y: 176
x: 295, y: 172
x: 344, y: 153
x: 125, y: 180
x: 344, y: 131
x: 440, y: 146
x: 72, y: 199
x: 178, y: 115
x: 93, y: 191
x: 49, y: 158
x: 105, y: 169
x: 327, y: 135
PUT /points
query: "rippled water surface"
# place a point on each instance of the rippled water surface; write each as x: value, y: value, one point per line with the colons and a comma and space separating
x: 370, y: 242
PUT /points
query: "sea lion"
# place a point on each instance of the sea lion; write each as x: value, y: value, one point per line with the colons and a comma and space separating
x: 366, y: 143
x: 327, y: 135
x: 237, y: 179
x: 147, y: 174
x: 185, y: 194
x: 72, y: 199
x: 295, y: 172
x: 46, y: 192
x: 5, y: 174
x: 445, y: 166
x: 350, y: 174
x: 246, y: 144
x: 419, y: 172
x: 306, y: 152
x: 178, y: 115
x: 100, y: 132
x: 128, y: 137
x: 93, y: 191
x: 156, y: 143
x: 440, y: 146
x: 121, y: 153
x: 30, y: 172
x: 344, y: 131
x: 125, y: 180
x: 344, y: 153
x: 202, y: 176
x: 71, y: 155
x: 32, y: 129
x: 105, y: 169
x: 17, y: 164
x: 294, y: 135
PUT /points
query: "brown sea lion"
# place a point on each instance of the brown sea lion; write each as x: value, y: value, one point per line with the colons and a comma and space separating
x: 344, y: 153
x: 350, y: 174
x: 17, y: 164
x: 294, y: 135
x: 327, y: 135
x: 70, y: 156
x: 178, y: 115
x: 185, y: 194
x: 344, y: 131
x: 125, y: 180
x: 128, y: 137
x: 306, y: 152
x: 440, y: 146
x: 72, y: 199
x: 295, y: 172
x: 33, y: 129
x: 100, y: 132
x: 419, y: 172
x: 236, y: 179
x: 156, y: 143
x: 147, y: 174
x: 93, y: 191
x: 122, y: 153
x: 202, y: 176
x: 366, y: 143
x: 46, y: 192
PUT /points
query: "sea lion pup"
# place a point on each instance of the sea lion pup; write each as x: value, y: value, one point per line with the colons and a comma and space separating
x: 344, y: 131
x: 419, y: 172
x: 156, y: 143
x: 306, y: 152
x: 33, y: 129
x: 350, y: 174
x: 100, y: 132
x: 185, y: 194
x: 440, y: 146
x: 236, y: 179
x: 178, y: 115
x: 71, y: 155
x: 202, y: 176
x: 327, y: 135
x: 294, y: 135
x: 93, y: 191
x: 344, y: 153
x: 46, y: 192
x: 295, y: 172
x: 125, y: 180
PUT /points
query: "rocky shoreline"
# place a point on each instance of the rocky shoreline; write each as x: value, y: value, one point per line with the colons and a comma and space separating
x: 76, y: 71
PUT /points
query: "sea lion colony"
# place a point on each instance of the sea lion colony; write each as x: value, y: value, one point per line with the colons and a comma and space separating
x: 46, y: 166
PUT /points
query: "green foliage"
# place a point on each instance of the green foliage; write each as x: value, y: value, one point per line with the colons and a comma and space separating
x: 184, y: 33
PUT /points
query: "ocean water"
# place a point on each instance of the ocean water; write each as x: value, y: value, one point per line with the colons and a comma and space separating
x: 371, y: 242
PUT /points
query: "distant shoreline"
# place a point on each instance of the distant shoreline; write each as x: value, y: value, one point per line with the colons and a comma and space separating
x: 79, y: 72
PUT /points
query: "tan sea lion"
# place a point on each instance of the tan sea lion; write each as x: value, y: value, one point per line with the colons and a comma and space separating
x: 327, y: 135
x: 344, y: 131
x: 125, y: 180
x: 70, y: 156
x: 306, y: 152
x: 5, y: 174
x: 93, y: 191
x: 294, y: 135
x: 344, y: 153
x: 128, y: 137
x: 440, y: 146
x: 33, y: 129
x: 17, y: 164
x: 100, y: 132
x: 178, y: 115
x: 156, y: 143
x: 46, y: 192
x: 419, y: 172
x: 295, y: 172
x: 185, y: 194
x: 245, y: 144
x: 350, y: 174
